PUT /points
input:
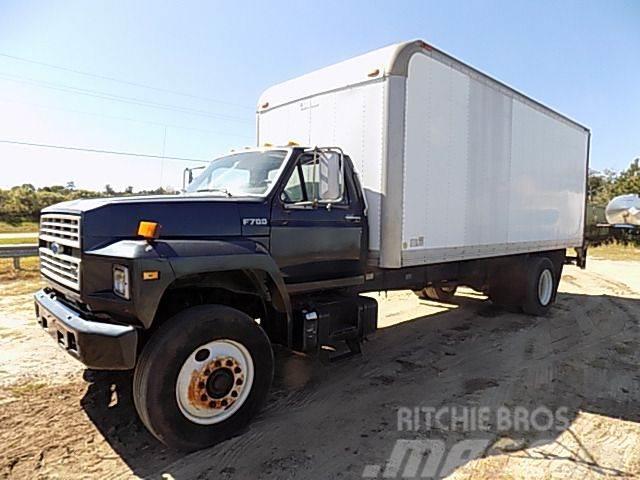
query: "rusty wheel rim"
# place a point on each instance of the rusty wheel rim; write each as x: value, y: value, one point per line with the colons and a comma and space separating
x: 214, y: 381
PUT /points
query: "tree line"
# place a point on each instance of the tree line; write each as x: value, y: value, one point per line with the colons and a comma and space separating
x: 605, y: 185
x: 24, y: 202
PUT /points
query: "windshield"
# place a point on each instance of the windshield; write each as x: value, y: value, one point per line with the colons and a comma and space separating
x: 245, y: 173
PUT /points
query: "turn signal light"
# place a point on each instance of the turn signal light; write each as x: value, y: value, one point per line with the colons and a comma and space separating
x: 149, y: 230
x: 150, y: 275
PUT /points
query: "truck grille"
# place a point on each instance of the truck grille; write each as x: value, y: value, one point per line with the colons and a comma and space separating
x: 62, y: 229
x: 59, y: 243
x: 61, y: 268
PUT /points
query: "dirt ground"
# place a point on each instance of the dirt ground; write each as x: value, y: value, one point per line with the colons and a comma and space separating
x: 340, y: 420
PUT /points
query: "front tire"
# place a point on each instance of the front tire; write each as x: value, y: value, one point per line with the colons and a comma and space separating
x: 202, y: 376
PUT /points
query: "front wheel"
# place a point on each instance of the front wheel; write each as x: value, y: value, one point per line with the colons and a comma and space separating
x: 202, y: 376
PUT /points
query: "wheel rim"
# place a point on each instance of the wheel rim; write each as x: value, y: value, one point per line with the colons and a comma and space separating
x: 214, y: 381
x: 545, y: 287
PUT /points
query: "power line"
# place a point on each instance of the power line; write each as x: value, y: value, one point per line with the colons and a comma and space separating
x: 117, y: 98
x: 94, y: 150
x: 128, y: 119
x: 125, y: 82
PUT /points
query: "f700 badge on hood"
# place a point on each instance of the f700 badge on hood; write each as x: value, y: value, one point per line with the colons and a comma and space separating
x: 255, y: 221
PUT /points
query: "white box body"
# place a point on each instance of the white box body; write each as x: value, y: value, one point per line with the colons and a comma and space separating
x: 455, y: 165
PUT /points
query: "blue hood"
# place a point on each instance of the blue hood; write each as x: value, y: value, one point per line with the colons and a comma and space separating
x: 105, y: 220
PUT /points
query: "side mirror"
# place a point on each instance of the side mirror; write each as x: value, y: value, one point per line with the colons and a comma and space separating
x: 328, y: 174
x: 187, y: 176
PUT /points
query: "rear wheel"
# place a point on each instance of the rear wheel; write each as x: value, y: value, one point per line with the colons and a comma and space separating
x: 202, y: 376
x: 505, y: 295
x: 541, y: 286
x: 439, y: 293
x: 529, y: 286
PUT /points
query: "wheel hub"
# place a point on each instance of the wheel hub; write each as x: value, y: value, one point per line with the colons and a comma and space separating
x: 545, y: 287
x: 220, y: 383
x: 217, y: 384
x: 214, y: 381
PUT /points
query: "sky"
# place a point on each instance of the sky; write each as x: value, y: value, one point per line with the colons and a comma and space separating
x: 181, y: 79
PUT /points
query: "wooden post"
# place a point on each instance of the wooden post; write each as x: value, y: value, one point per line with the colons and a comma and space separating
x: 16, y: 263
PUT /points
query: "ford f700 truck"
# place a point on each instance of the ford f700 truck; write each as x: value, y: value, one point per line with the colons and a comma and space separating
x: 411, y: 170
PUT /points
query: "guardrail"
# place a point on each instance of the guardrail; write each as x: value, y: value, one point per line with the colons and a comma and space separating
x: 18, y: 251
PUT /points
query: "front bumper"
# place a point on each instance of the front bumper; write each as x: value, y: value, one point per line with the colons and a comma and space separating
x: 98, y: 345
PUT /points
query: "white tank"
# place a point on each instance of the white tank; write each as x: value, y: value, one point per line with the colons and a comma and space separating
x: 624, y: 210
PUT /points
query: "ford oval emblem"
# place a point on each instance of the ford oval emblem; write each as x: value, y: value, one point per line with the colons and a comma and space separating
x: 55, y: 248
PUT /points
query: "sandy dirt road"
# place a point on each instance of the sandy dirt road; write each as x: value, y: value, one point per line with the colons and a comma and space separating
x: 341, y: 420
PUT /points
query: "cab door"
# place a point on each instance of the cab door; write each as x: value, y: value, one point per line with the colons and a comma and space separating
x: 317, y: 221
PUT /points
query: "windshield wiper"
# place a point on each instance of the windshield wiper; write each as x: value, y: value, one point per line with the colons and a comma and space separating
x: 223, y: 190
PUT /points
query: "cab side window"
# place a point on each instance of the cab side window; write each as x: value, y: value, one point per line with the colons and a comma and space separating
x: 318, y: 179
x: 293, y: 192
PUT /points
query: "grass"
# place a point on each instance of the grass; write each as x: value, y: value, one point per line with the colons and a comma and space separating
x: 17, y: 241
x: 29, y: 269
x: 19, y: 227
x: 616, y: 251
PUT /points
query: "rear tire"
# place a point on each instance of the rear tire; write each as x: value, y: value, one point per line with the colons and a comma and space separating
x: 439, y: 293
x: 202, y: 376
x: 515, y: 287
x: 541, y: 286
x: 506, y: 296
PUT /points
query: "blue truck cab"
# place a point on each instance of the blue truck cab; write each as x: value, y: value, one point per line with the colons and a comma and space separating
x: 260, y: 242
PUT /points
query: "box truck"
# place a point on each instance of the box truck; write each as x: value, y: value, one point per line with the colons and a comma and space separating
x: 402, y: 168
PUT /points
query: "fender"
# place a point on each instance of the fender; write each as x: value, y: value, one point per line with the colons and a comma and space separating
x: 183, y: 258
x: 189, y: 257
x: 192, y: 257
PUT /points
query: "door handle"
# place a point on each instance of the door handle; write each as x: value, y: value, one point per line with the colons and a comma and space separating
x: 352, y: 218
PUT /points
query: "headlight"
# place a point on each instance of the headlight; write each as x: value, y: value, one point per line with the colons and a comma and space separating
x: 121, y: 281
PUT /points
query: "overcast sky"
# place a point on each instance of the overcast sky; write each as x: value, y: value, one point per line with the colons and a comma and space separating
x: 181, y: 79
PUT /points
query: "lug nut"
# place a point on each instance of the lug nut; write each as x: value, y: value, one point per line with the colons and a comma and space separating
x: 203, y: 397
x: 237, y: 370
